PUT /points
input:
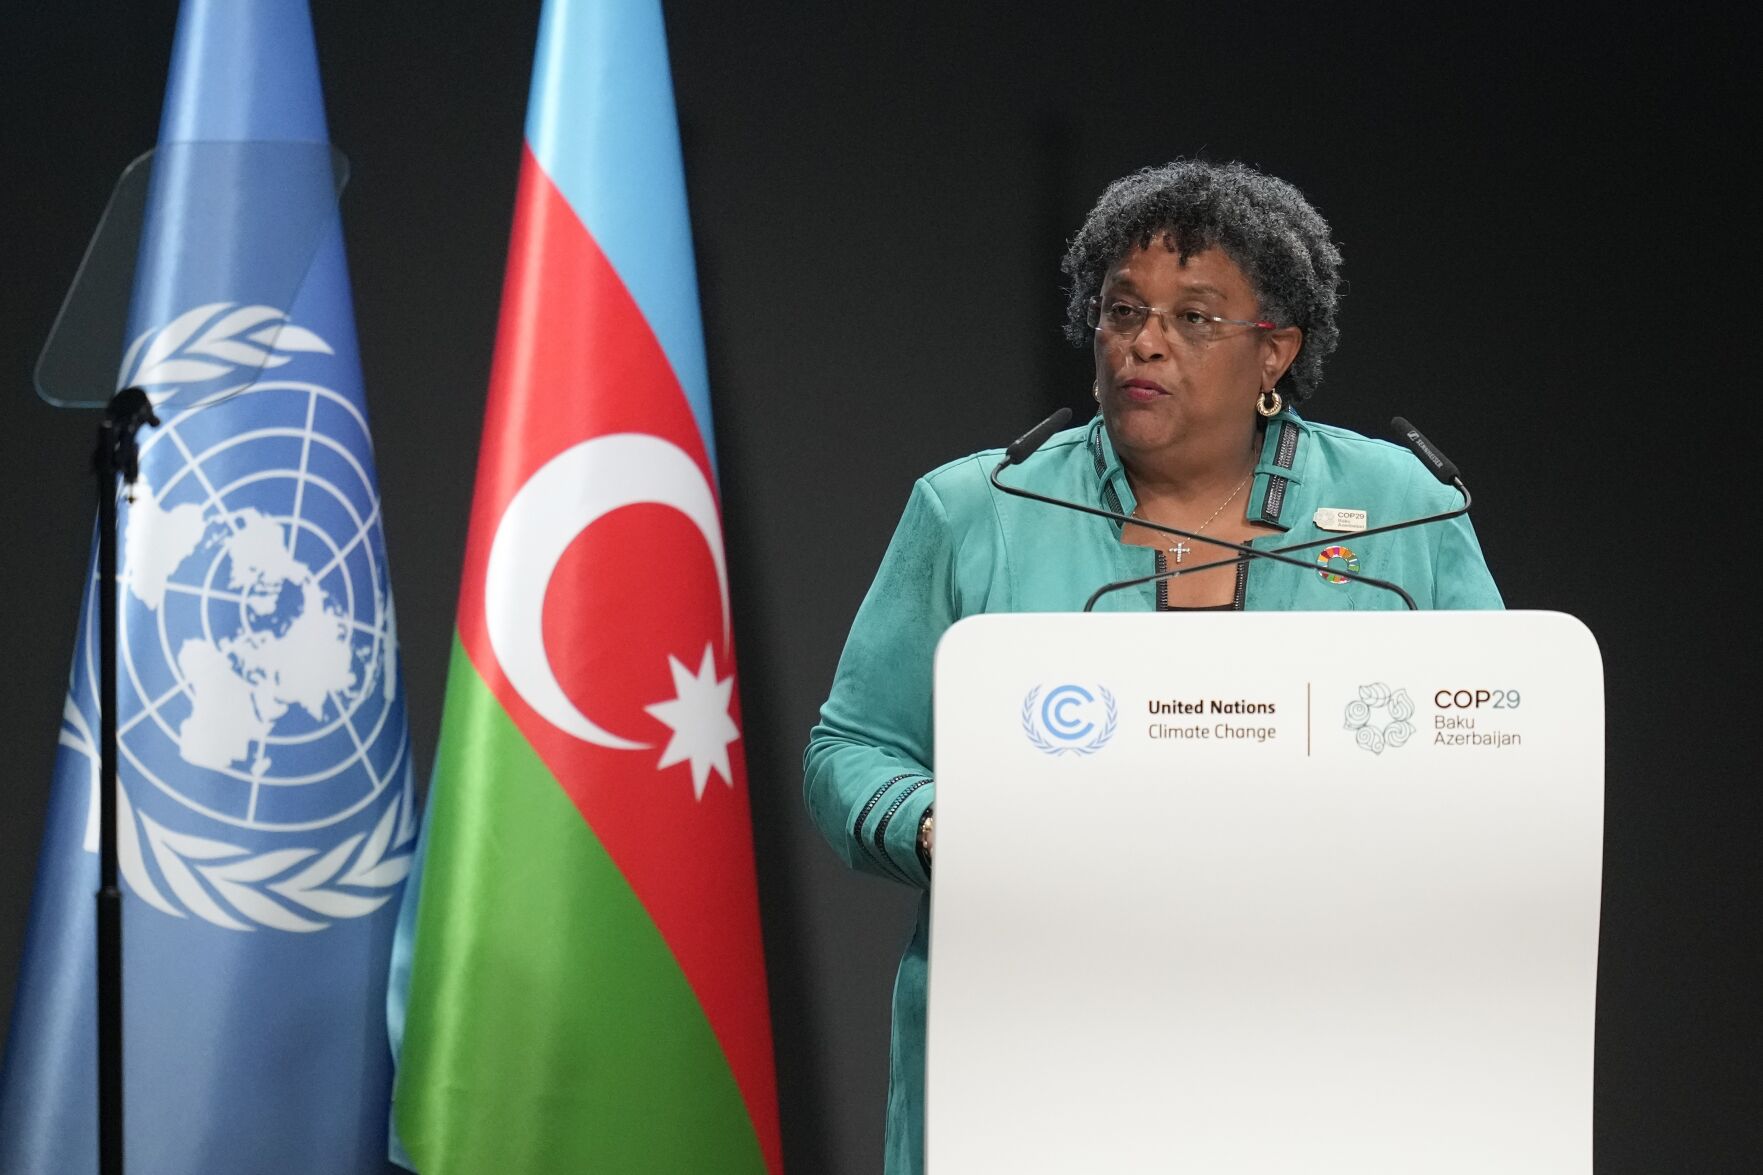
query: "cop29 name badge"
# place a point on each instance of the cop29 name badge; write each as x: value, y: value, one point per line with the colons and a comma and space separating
x: 1069, y: 719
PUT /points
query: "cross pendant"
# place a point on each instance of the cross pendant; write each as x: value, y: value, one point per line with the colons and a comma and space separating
x: 1179, y: 550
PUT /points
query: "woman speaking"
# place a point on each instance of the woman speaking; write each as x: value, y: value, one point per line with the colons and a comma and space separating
x: 1207, y: 295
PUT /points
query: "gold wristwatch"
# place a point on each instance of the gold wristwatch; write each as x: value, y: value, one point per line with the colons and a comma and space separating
x: 925, y: 825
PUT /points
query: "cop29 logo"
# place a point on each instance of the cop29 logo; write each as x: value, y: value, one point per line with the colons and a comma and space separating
x: 1380, y: 717
x: 1069, y: 719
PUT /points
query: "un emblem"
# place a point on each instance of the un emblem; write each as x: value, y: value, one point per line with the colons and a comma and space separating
x: 262, y: 745
x: 1069, y: 719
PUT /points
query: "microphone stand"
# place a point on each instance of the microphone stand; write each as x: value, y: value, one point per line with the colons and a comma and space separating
x: 1244, y: 552
x: 1172, y: 572
x: 1436, y: 462
x: 116, y: 454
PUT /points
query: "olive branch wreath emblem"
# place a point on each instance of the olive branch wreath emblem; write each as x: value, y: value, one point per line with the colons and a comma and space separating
x: 183, y: 352
x: 1031, y: 727
x: 223, y: 883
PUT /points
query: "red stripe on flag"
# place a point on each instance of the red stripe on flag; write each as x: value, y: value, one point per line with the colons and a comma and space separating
x: 575, y: 359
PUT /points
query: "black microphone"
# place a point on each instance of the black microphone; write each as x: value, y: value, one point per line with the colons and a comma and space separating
x: 1034, y: 438
x: 1441, y: 467
x: 1019, y: 451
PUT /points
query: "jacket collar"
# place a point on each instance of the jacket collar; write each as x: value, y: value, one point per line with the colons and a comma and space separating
x: 1280, y: 468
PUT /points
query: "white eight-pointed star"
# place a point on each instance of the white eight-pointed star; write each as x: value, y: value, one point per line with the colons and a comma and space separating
x: 699, y: 719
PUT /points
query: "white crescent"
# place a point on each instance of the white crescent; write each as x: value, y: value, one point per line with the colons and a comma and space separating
x: 568, y: 493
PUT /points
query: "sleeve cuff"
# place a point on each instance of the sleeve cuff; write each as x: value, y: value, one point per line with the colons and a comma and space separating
x: 888, y: 829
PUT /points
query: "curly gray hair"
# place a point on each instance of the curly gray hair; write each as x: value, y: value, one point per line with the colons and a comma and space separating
x: 1263, y: 224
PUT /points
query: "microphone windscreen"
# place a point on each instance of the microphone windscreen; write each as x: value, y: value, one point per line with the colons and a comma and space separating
x: 1441, y: 465
x: 1034, y: 438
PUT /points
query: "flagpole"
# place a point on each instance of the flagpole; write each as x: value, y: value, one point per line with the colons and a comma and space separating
x: 116, y: 454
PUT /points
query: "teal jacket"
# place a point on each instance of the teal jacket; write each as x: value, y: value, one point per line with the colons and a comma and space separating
x: 963, y: 547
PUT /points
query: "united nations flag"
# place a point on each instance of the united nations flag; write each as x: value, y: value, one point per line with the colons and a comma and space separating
x: 265, y: 809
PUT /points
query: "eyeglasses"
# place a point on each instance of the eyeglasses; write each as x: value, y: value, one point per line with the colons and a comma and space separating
x: 1123, y: 320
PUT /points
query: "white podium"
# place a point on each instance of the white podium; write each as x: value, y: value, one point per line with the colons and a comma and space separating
x: 1265, y: 893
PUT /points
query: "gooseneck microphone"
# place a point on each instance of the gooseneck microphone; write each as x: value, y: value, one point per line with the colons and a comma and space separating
x: 1441, y: 466
x: 1435, y: 461
x: 1020, y: 449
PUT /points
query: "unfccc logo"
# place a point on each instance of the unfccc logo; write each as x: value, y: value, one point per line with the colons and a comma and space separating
x: 1069, y: 719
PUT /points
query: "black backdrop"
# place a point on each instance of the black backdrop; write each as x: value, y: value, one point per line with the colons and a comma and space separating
x: 1541, y: 214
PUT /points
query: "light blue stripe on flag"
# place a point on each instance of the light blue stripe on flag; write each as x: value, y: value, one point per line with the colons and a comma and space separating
x: 623, y: 109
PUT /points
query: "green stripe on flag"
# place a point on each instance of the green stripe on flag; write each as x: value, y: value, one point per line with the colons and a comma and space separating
x: 549, y: 1027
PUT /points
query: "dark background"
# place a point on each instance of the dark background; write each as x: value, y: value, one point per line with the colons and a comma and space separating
x: 1541, y: 213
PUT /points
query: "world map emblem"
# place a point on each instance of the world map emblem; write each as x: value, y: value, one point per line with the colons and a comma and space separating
x: 262, y: 744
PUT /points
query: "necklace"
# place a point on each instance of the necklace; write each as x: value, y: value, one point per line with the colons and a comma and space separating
x: 1180, y: 549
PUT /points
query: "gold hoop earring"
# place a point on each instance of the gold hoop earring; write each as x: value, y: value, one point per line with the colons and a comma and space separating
x: 1268, y: 403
